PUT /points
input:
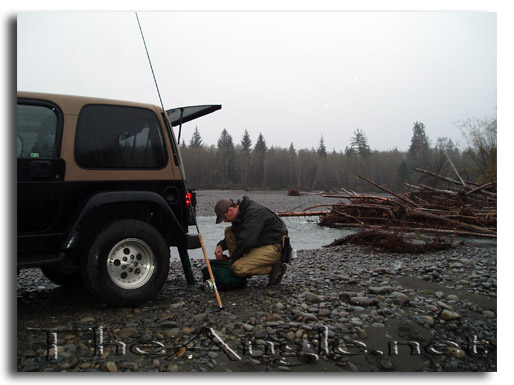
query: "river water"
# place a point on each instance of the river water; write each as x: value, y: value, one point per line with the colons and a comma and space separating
x: 304, y: 233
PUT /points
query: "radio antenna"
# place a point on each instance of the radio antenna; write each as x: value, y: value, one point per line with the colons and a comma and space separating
x: 149, y: 61
x: 180, y: 169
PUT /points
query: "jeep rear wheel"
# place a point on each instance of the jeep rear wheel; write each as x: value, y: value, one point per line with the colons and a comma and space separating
x: 127, y: 263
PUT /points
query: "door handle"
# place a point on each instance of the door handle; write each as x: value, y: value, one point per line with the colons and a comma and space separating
x: 41, y: 169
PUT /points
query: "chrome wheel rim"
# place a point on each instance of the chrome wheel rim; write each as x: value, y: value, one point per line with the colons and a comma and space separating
x: 130, y: 263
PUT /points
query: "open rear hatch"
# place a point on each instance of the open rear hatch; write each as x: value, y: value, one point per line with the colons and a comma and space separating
x: 182, y: 115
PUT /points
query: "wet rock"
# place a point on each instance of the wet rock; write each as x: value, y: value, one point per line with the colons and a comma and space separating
x: 361, y: 301
x: 273, y: 318
x: 128, y: 365
x: 361, y: 333
x: 87, y: 320
x: 128, y: 332
x: 444, y: 305
x: 380, y: 289
x: 109, y: 366
x: 310, y: 297
x: 31, y: 367
x: 448, y: 315
x: 456, y: 352
x: 260, y: 333
x: 200, y: 317
x: 400, y: 298
x: 489, y: 314
x: 247, y: 327
x: 386, y: 364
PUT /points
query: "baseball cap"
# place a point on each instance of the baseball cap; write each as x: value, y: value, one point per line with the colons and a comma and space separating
x: 221, y: 208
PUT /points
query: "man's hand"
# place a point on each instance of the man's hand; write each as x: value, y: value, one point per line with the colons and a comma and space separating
x: 219, y: 254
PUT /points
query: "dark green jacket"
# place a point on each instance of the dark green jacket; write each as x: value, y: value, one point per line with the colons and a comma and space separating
x: 255, y: 226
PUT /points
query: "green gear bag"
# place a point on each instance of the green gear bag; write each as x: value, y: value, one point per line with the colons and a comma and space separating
x: 223, y: 276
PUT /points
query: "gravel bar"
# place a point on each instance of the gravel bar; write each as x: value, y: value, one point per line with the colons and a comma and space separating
x: 345, y: 308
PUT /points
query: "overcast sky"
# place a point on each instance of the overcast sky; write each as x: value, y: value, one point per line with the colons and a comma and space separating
x: 292, y: 76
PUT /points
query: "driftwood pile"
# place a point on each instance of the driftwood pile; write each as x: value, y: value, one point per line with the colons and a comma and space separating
x: 464, y: 209
x: 393, y: 242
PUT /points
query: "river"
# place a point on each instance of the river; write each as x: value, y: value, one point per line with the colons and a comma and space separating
x: 304, y: 232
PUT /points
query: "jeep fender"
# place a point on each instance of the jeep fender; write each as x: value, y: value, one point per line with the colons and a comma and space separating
x: 110, y: 198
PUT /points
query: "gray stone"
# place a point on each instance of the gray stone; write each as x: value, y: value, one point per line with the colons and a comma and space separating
x: 489, y: 314
x: 362, y: 301
x: 247, y: 327
x: 380, y: 289
x: 260, y: 333
x: 448, y: 315
x: 313, y: 298
x: 109, y: 366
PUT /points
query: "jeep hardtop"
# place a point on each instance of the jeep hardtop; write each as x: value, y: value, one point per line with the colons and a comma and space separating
x: 102, y: 194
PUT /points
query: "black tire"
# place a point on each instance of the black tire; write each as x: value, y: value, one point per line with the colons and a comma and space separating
x: 66, y: 279
x: 127, y: 263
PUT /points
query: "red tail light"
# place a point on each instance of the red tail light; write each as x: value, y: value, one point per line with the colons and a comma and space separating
x: 188, y: 199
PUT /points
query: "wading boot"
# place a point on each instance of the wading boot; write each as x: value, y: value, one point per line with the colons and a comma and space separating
x: 278, y: 272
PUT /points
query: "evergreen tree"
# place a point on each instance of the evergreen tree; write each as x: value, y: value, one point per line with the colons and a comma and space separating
x: 246, y: 142
x: 320, y: 176
x: 293, y: 178
x: 225, y: 156
x: 403, y: 171
x: 261, y: 146
x: 419, y: 150
x: 322, y: 150
x: 359, y: 143
x: 259, y: 161
x: 196, y: 139
x: 245, y: 159
x: 349, y: 152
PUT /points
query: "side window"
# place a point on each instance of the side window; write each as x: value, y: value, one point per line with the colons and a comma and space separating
x: 36, y: 134
x: 118, y: 137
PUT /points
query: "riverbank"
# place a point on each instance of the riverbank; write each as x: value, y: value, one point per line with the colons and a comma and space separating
x: 346, y: 308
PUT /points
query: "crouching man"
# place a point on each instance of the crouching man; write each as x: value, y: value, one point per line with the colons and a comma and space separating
x: 254, y: 241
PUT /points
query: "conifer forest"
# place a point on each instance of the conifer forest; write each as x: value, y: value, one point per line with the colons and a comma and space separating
x: 253, y: 164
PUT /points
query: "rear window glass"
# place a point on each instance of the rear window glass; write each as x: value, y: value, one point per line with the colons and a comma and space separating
x: 118, y: 137
x: 36, y: 131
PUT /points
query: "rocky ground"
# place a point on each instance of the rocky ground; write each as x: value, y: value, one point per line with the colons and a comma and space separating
x: 345, y: 308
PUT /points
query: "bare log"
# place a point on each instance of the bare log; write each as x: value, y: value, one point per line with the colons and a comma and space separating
x: 451, y: 180
x: 479, y: 188
x: 388, y: 191
x: 455, y: 169
x: 452, y: 222
x: 420, y: 230
x: 438, y: 190
x: 303, y: 214
x: 353, y: 193
x: 338, y: 196
x: 315, y: 206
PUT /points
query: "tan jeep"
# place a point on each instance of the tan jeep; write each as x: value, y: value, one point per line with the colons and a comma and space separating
x: 102, y: 193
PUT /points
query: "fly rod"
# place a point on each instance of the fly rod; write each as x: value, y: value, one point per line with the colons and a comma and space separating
x: 168, y: 125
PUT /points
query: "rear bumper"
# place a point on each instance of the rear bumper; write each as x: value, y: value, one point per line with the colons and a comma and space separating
x: 193, y: 241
